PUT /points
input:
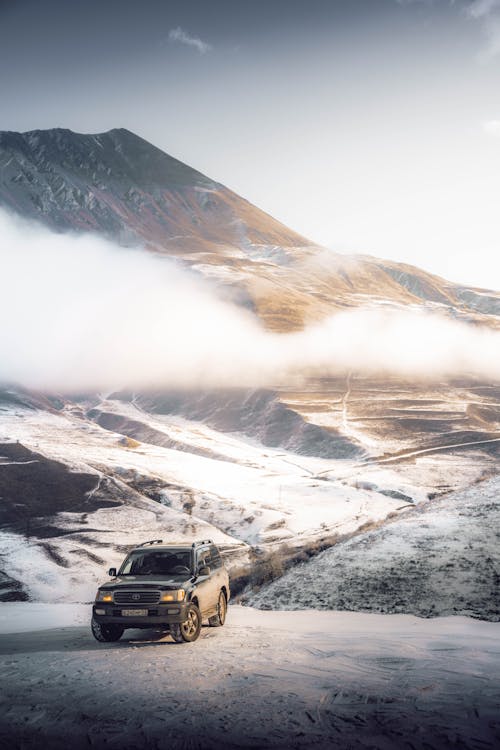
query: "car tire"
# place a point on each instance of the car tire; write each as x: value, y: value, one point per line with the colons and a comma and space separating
x: 218, y: 620
x: 106, y: 633
x: 189, y: 630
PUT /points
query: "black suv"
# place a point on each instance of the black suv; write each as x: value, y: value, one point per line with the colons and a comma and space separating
x: 165, y: 586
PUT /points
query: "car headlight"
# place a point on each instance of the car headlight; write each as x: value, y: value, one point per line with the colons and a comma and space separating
x: 104, y: 596
x: 173, y: 596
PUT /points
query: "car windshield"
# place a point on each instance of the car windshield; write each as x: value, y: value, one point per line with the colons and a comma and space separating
x: 157, y: 562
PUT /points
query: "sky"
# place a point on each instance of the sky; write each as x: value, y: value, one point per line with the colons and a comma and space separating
x: 369, y: 126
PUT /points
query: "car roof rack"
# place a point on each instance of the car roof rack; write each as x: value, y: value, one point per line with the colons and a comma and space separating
x: 151, y: 541
x: 199, y: 542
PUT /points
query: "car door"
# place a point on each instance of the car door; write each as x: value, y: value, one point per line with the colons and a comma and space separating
x: 205, y: 585
x: 218, y: 572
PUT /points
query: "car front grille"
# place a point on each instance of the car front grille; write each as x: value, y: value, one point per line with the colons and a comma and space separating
x: 137, y: 597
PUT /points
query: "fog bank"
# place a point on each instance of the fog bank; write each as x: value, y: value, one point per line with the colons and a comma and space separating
x: 81, y: 313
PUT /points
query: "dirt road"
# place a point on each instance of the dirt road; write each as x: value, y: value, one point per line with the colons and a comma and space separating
x: 268, y: 679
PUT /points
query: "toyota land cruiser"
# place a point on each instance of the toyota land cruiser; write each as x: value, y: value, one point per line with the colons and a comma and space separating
x: 166, y: 586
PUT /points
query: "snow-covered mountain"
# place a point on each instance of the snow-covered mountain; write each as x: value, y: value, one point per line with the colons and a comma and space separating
x: 289, y: 468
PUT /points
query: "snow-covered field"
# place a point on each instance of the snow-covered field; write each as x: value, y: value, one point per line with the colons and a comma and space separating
x: 244, y: 492
x: 267, y: 679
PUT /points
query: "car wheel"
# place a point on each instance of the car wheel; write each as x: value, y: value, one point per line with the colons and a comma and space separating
x: 106, y: 633
x: 189, y: 630
x: 220, y: 618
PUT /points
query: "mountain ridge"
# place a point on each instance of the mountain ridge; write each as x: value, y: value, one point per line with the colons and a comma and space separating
x: 133, y: 158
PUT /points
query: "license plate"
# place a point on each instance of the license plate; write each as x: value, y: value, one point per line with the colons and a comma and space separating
x: 134, y: 612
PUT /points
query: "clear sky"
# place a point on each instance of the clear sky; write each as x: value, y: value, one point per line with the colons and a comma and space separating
x: 370, y: 126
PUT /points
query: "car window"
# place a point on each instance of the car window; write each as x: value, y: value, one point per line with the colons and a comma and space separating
x: 203, y: 558
x: 157, y: 562
x: 209, y: 557
x: 215, y: 558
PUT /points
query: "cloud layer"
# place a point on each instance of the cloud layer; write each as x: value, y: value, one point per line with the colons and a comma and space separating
x: 486, y: 12
x: 181, y: 36
x: 80, y: 313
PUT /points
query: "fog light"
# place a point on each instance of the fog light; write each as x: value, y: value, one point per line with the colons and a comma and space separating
x: 100, y: 611
x: 172, y: 611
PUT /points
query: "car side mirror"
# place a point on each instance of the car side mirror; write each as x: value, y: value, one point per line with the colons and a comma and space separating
x: 112, y: 572
x: 204, y: 571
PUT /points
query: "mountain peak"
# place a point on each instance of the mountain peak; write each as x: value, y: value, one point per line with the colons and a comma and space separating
x: 129, y: 158
x: 117, y: 184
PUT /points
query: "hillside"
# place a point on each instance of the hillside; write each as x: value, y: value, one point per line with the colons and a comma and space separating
x: 441, y: 558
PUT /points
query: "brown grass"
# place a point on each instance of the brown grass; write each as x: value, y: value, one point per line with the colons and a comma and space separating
x: 263, y: 568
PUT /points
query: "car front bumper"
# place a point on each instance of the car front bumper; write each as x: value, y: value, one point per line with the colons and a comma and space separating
x: 175, y: 612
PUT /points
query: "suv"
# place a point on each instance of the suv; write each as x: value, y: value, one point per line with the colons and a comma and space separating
x: 167, y: 586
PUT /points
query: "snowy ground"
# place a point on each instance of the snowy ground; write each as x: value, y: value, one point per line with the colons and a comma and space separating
x: 268, y: 679
x: 252, y: 492
x: 441, y: 558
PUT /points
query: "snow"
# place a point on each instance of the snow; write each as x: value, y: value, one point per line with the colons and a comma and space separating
x: 267, y: 679
x: 271, y: 485
x: 442, y: 557
x: 68, y: 568
x: 27, y: 617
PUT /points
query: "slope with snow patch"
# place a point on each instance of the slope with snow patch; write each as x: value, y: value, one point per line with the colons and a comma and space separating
x: 441, y: 558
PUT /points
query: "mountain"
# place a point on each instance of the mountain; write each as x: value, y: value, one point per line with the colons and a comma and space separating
x: 124, y: 188
x: 120, y: 185
x: 273, y: 475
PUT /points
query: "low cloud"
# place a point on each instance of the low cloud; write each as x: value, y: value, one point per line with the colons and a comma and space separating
x: 485, y: 12
x: 482, y: 8
x: 492, y: 127
x: 81, y: 313
x: 181, y: 36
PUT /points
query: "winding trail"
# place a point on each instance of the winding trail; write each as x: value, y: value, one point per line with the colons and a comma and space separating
x: 345, y: 398
x: 409, y: 454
